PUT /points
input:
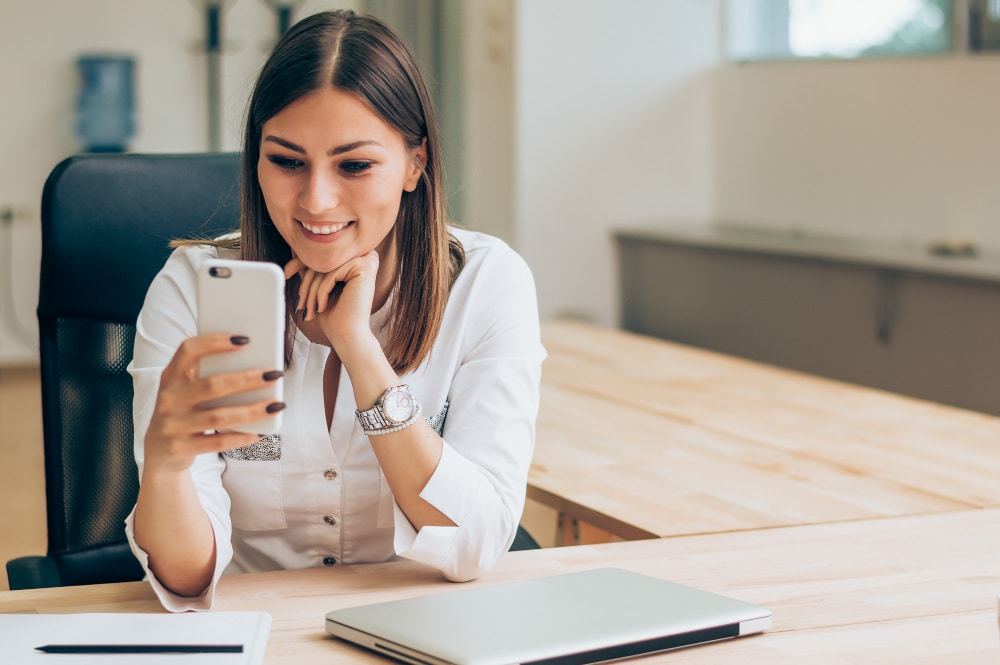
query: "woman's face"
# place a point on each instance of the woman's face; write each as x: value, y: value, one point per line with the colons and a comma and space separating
x: 332, y: 173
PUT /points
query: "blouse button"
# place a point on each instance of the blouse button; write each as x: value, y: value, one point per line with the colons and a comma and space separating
x: 329, y: 561
x: 330, y: 519
x: 330, y: 474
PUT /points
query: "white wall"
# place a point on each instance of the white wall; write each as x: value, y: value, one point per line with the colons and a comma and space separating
x: 613, y: 127
x: 488, y: 100
x: 39, y: 43
x: 888, y: 150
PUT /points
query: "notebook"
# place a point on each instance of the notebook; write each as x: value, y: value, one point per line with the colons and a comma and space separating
x: 585, y: 617
x: 24, y: 633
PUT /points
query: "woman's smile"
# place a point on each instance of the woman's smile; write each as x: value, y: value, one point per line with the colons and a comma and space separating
x: 324, y: 231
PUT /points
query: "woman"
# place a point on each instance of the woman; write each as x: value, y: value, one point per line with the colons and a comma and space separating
x: 341, y: 187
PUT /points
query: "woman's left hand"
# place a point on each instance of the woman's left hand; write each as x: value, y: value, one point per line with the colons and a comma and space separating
x: 341, y: 299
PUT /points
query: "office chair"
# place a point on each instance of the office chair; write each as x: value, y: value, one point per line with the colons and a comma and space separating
x: 106, y: 222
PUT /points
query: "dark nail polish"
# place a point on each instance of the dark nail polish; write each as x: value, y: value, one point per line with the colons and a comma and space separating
x: 273, y: 374
x: 239, y: 340
x: 274, y: 407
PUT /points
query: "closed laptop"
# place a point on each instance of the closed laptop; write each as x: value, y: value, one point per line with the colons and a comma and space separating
x: 584, y: 617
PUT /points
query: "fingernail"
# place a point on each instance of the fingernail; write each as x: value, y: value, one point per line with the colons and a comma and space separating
x: 274, y: 407
x: 273, y: 374
x: 239, y: 340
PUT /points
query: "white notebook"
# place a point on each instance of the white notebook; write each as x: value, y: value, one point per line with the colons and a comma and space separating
x: 22, y: 634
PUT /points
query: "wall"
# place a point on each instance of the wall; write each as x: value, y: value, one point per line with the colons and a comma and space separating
x: 889, y: 150
x: 613, y: 127
x: 39, y: 42
x: 488, y: 99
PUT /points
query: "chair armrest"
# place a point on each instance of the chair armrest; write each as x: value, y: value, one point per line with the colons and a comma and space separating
x: 523, y: 541
x: 33, y: 572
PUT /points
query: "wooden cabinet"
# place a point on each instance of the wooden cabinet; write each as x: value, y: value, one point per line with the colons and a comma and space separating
x: 885, y: 317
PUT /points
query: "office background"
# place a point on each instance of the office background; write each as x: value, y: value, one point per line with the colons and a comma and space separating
x: 559, y: 145
x: 580, y: 116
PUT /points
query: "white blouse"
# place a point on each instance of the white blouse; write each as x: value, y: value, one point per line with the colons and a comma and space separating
x: 325, y: 500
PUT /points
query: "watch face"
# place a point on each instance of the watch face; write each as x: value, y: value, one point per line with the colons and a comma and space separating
x: 398, y: 406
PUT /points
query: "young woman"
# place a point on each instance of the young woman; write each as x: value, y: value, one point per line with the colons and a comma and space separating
x: 342, y: 188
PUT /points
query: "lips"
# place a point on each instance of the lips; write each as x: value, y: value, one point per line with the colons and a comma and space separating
x: 323, y: 229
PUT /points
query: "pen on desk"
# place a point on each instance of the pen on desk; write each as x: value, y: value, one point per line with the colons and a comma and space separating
x: 141, y: 648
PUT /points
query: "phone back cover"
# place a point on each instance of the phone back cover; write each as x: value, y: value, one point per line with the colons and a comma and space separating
x: 249, y: 302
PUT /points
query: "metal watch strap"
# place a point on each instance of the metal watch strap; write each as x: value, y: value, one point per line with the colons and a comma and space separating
x: 372, y: 419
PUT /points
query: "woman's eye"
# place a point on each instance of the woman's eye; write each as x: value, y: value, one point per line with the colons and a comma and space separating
x: 356, y: 168
x: 287, y: 163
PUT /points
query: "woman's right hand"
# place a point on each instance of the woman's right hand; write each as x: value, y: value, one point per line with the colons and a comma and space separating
x: 181, y: 428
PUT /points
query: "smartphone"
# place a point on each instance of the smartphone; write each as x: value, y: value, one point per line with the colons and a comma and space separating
x: 245, y: 298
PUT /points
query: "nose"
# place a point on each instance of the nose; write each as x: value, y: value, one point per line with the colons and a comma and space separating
x: 319, y: 193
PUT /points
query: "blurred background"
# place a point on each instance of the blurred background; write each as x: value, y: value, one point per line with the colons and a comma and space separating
x: 563, y: 119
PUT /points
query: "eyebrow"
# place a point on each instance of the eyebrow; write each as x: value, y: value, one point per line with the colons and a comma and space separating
x: 335, y: 151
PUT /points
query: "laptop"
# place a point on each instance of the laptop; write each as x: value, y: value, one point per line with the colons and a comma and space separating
x: 584, y: 617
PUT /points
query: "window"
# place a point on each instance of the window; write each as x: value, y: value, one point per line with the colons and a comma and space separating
x: 786, y: 29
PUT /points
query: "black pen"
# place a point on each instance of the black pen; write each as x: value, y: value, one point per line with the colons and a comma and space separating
x: 141, y: 648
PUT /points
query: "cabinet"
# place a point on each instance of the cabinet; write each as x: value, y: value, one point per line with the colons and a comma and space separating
x: 888, y: 317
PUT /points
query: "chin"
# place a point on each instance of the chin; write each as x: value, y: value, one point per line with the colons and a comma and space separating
x: 323, y: 264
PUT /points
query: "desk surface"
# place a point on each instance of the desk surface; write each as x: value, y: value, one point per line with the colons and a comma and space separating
x: 895, y: 559
x: 894, y: 590
x: 643, y: 438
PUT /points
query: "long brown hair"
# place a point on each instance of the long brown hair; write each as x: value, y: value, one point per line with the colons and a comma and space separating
x: 361, y: 55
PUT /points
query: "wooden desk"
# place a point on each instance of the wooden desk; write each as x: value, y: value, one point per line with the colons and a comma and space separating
x: 643, y: 438
x: 894, y: 590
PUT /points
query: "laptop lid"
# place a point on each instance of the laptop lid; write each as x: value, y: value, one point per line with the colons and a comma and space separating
x: 583, y: 617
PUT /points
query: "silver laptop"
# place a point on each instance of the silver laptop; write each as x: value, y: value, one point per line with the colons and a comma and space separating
x: 586, y: 617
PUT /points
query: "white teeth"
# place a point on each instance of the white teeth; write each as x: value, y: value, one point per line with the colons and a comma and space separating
x: 324, y: 230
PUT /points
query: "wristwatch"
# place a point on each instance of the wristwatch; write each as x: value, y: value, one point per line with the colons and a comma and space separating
x: 396, y: 409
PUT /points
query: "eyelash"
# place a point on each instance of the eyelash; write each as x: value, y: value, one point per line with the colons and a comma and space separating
x: 355, y: 167
x: 286, y: 163
x: 352, y: 168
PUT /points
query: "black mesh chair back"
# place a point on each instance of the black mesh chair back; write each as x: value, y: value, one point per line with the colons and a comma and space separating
x: 106, y: 224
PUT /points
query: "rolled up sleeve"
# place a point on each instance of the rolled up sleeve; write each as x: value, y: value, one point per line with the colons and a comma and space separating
x: 489, y: 433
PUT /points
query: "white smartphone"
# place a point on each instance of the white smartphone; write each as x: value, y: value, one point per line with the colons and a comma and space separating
x: 245, y: 298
